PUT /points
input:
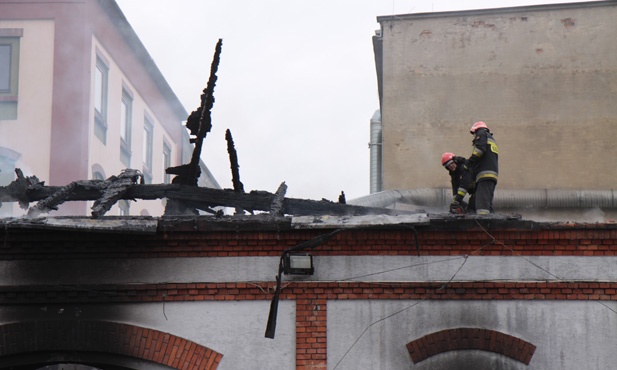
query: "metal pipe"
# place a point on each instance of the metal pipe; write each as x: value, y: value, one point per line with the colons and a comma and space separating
x: 534, y: 198
x: 375, y: 152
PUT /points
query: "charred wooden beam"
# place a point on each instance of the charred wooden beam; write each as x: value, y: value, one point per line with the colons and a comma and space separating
x: 277, y: 202
x: 199, y: 124
x: 233, y: 161
x: 52, y: 202
x: 114, y: 190
x: 341, y: 198
x: 235, y: 167
x: 204, y: 198
x: 17, y: 191
x: 106, y: 193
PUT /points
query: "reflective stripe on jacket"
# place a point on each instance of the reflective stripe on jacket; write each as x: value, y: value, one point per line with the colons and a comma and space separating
x: 485, y: 156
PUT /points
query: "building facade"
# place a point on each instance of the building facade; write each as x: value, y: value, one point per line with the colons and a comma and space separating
x: 80, y: 98
x: 542, y: 77
x: 412, y: 292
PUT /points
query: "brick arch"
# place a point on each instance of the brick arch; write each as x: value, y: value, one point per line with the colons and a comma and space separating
x: 470, y: 338
x: 107, y: 337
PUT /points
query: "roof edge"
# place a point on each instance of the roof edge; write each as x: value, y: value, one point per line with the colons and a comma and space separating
x: 515, y: 9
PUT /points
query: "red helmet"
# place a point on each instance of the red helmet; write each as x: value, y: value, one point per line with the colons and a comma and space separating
x: 477, y: 126
x: 447, y: 158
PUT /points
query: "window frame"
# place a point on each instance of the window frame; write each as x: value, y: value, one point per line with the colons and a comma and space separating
x: 126, y: 123
x: 147, y: 149
x: 124, y: 207
x: 101, y: 96
x: 11, y: 38
x: 166, y: 161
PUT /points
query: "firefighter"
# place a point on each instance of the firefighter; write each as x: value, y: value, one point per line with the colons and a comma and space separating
x: 484, y: 162
x: 461, y: 180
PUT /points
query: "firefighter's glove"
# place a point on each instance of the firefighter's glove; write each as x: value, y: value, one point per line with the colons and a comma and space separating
x: 456, y: 208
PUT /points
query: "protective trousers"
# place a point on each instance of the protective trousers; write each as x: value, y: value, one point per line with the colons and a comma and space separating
x: 485, y: 191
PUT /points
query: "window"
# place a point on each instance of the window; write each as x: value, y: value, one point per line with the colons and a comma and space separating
x: 98, y: 173
x: 123, y: 207
x: 8, y: 159
x: 9, y: 72
x: 126, y: 113
x: 147, y: 150
x: 101, y: 72
x: 166, y: 162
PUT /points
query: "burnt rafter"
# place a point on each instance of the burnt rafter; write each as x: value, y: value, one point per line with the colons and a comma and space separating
x: 233, y: 160
x: 107, y: 193
x: 199, y: 123
x: 198, y: 197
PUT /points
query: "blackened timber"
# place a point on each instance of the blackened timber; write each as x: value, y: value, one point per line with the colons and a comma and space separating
x: 205, y: 198
x: 50, y: 197
x: 235, y: 167
x: 53, y: 201
x: 233, y: 162
x: 199, y: 124
x: 256, y: 201
x: 17, y: 191
x: 114, y: 190
x: 277, y: 202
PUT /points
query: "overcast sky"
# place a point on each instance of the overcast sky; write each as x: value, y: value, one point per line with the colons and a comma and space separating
x: 296, y: 84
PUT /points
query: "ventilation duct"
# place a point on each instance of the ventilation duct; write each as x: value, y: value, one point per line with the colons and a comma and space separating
x: 537, y: 198
x: 375, y: 148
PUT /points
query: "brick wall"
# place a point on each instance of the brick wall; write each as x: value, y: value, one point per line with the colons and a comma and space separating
x: 111, y: 338
x: 473, y: 239
x: 312, y: 297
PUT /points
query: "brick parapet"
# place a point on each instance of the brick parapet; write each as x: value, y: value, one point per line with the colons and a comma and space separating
x: 600, y: 240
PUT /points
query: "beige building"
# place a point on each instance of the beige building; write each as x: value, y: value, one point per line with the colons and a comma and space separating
x: 80, y: 98
x: 544, y: 79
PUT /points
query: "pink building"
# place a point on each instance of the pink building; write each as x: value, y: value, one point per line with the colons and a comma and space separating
x: 81, y: 98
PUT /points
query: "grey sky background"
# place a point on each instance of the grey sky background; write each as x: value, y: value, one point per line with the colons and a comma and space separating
x: 296, y: 85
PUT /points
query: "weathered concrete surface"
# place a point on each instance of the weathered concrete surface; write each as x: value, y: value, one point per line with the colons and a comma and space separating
x: 235, y: 329
x: 543, y: 78
x: 327, y: 268
x: 581, y: 333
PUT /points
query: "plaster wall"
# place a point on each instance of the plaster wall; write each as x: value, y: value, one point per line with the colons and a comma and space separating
x: 107, y: 155
x: 235, y: 329
x: 543, y: 78
x: 30, y: 134
x: 327, y: 268
x: 580, y: 333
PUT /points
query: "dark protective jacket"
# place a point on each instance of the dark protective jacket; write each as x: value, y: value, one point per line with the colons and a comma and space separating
x: 484, y: 158
x: 461, y: 179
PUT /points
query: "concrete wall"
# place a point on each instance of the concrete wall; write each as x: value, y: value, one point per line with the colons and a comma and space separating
x: 544, y: 79
x: 578, y: 336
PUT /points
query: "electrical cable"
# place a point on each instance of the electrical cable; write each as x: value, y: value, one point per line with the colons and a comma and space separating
x: 398, y: 312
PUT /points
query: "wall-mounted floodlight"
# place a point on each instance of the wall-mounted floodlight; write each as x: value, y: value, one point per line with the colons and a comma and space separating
x: 298, y: 264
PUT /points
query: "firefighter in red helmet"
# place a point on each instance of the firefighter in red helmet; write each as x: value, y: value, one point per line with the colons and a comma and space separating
x: 484, y: 162
x: 461, y: 180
